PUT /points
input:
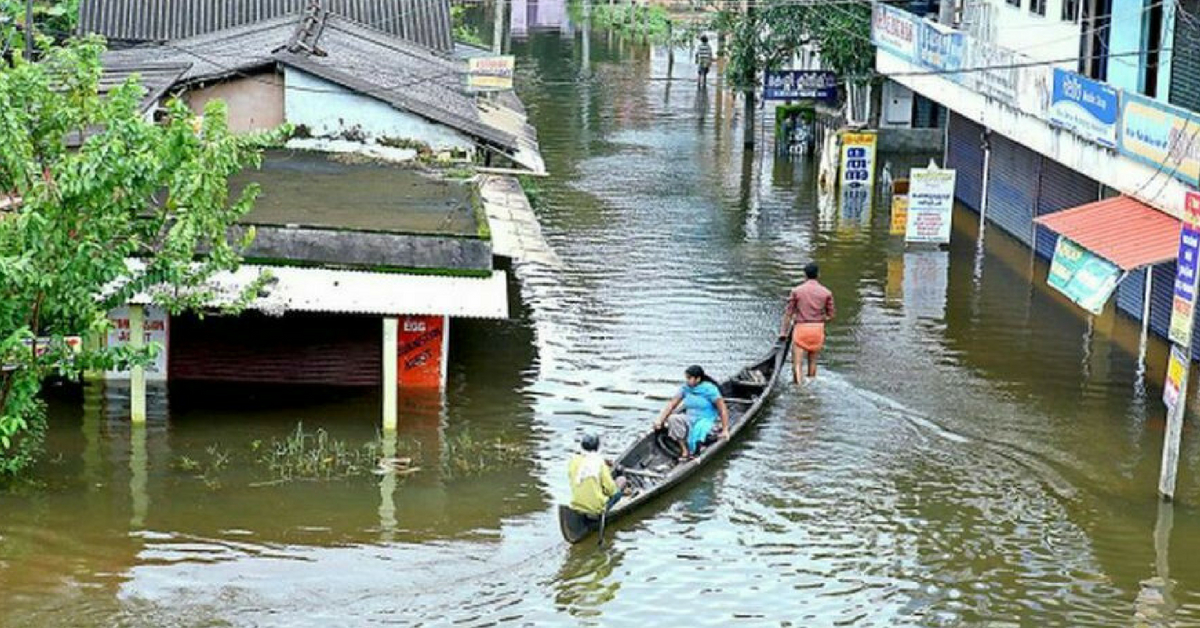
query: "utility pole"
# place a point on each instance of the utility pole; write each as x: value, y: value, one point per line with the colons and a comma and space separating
x: 752, y: 54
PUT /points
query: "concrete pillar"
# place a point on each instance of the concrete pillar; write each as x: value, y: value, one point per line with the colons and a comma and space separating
x: 137, y: 375
x: 1145, y: 336
x: 391, y: 340
x: 139, y: 464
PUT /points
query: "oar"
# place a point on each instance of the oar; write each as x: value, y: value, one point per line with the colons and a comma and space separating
x: 604, y: 516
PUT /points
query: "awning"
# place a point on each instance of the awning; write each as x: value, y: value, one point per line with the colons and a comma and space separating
x: 358, y: 292
x: 1122, y: 230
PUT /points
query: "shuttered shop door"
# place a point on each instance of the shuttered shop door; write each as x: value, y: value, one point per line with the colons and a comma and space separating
x: 1130, y: 293
x: 964, y: 154
x: 1012, y: 185
x: 290, y: 349
x: 1060, y: 188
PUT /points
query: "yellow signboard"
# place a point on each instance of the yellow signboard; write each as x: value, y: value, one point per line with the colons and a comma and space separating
x: 899, y: 215
x: 858, y: 160
x: 491, y: 73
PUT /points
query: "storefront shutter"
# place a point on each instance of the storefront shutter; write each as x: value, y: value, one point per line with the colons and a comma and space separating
x: 1012, y: 187
x: 290, y: 349
x: 965, y: 154
x: 1060, y: 188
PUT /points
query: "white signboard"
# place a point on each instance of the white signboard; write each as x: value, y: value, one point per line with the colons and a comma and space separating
x: 930, y: 203
x: 156, y: 329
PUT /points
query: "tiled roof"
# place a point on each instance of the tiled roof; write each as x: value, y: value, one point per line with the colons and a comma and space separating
x: 426, y: 22
x: 1122, y: 230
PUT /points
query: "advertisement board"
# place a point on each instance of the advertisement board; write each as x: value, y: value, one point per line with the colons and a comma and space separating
x: 800, y: 85
x: 421, y: 352
x: 1183, y: 301
x: 155, y: 328
x: 1177, y: 371
x: 1087, y: 108
x: 941, y: 48
x: 1161, y: 136
x: 1085, y: 278
x: 858, y: 160
x: 894, y: 31
x: 930, y: 205
x: 490, y: 73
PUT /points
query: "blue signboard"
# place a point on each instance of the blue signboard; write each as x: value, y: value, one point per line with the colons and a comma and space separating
x: 940, y: 48
x: 1185, y: 270
x: 1086, y: 107
x: 800, y: 85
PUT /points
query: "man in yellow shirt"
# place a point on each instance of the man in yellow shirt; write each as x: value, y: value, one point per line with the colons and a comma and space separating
x: 591, y: 479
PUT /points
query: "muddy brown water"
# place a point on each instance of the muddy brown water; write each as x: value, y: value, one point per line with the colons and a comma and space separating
x: 975, y: 452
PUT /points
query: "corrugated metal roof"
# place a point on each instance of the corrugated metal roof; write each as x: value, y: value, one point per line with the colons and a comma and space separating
x: 404, y: 75
x: 399, y: 73
x: 426, y: 22
x: 1122, y: 230
x: 297, y: 289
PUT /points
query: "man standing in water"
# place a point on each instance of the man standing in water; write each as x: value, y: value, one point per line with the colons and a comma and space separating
x: 704, y: 57
x: 809, y: 306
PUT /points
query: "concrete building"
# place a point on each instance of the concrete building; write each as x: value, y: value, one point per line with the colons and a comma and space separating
x: 1059, y: 105
x: 348, y: 241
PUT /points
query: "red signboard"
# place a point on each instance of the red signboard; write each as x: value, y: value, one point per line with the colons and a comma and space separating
x: 420, y: 355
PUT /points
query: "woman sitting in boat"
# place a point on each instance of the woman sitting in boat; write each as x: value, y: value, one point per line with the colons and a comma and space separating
x: 702, y: 399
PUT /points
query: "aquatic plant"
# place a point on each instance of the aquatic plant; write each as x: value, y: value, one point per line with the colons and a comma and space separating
x: 652, y: 21
x: 317, y: 456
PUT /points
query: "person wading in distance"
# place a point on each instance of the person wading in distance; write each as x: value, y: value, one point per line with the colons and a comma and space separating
x: 809, y: 307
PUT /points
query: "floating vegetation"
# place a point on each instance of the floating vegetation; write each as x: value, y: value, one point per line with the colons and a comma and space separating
x: 463, y: 455
x: 315, y: 455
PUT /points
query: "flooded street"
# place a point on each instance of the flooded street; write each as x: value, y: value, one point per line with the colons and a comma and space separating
x: 975, y: 452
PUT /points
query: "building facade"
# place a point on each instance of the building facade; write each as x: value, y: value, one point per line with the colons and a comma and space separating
x: 1059, y: 105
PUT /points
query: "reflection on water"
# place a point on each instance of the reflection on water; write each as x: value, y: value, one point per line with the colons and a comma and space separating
x: 976, y: 451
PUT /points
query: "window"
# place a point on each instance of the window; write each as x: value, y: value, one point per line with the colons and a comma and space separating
x: 1070, y: 10
x: 1015, y: 3
x: 1037, y: 6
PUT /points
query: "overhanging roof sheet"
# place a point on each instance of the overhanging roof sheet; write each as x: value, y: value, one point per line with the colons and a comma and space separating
x: 297, y: 289
x: 1122, y: 230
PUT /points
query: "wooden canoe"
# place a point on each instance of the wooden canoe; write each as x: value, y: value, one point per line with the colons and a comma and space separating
x: 651, y: 464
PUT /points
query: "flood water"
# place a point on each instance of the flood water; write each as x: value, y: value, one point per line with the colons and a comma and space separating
x: 975, y: 452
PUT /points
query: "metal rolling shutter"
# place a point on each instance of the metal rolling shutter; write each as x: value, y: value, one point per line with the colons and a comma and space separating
x: 1061, y: 188
x: 1012, y: 187
x: 1130, y: 292
x: 1161, y: 294
x: 290, y: 349
x: 964, y: 153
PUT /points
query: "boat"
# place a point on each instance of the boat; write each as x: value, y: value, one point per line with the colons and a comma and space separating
x: 651, y: 464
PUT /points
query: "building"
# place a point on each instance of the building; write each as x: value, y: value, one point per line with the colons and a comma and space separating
x: 1066, y: 118
x: 347, y: 240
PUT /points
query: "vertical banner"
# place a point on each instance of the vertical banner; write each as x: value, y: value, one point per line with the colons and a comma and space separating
x: 1177, y: 370
x: 420, y: 355
x: 1183, y: 304
x: 899, y: 223
x: 930, y: 205
x: 858, y: 160
x: 156, y: 329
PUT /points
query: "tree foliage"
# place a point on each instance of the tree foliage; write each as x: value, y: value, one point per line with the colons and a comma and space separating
x: 770, y: 37
x: 133, y: 189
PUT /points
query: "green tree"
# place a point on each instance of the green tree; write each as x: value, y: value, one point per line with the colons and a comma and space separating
x: 133, y: 189
x: 768, y: 38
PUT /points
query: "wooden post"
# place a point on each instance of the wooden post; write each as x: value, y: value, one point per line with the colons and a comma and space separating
x: 137, y: 375
x: 1170, y: 457
x: 391, y: 339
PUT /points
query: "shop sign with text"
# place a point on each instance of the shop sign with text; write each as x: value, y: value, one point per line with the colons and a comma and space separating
x: 1177, y: 371
x: 894, y: 31
x: 858, y: 160
x: 1086, y: 107
x: 1085, y: 278
x: 800, y: 85
x: 930, y: 204
x: 1183, y: 301
x: 1161, y: 136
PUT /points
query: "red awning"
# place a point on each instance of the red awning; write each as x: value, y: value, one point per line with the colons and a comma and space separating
x: 1122, y: 230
